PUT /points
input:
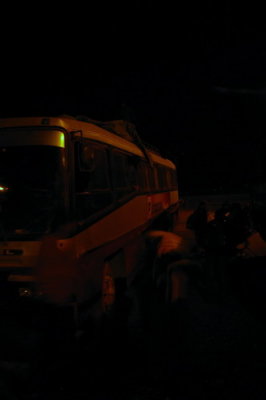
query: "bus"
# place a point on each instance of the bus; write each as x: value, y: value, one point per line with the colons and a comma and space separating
x: 77, y: 197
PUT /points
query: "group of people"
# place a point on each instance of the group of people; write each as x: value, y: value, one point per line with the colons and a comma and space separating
x: 229, y: 227
x: 219, y: 234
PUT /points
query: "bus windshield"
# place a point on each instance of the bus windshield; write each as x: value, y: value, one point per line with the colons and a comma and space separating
x: 31, y: 189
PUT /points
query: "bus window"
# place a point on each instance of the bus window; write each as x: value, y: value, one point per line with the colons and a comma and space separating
x: 173, y: 179
x: 151, y: 177
x: 143, y: 178
x: 162, y: 177
x: 93, y: 192
x: 156, y: 176
x: 93, y: 165
x: 33, y: 184
x: 168, y: 178
x: 124, y: 174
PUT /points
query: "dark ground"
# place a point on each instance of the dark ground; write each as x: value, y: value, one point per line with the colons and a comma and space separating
x: 211, y: 345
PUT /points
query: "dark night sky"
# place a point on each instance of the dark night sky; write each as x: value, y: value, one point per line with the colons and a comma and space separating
x: 194, y: 77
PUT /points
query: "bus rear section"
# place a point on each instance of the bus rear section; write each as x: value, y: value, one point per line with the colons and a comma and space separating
x: 76, y: 201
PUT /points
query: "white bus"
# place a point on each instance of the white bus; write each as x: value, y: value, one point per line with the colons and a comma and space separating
x: 76, y: 199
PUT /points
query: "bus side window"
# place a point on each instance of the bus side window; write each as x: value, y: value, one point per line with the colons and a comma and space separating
x: 156, y: 177
x: 93, y: 192
x: 124, y: 174
x: 168, y: 178
x: 93, y: 165
x: 131, y: 173
x: 161, y: 177
x: 151, y: 177
x: 173, y: 179
x: 143, y: 178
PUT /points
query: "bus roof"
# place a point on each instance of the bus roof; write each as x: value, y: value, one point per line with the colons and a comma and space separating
x: 112, y: 133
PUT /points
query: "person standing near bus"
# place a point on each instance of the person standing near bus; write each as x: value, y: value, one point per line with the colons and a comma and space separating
x: 197, y: 222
